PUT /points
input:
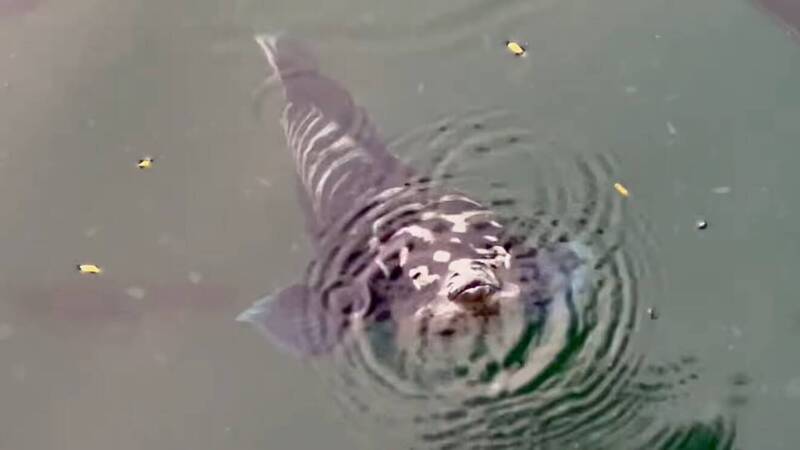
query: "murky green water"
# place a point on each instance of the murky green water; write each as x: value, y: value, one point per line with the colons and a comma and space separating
x: 697, y: 102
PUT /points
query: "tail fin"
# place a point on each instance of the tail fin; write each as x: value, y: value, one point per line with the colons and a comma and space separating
x: 338, y: 152
x: 286, y: 57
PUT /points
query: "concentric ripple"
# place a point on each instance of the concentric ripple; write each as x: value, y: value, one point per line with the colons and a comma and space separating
x: 575, y: 377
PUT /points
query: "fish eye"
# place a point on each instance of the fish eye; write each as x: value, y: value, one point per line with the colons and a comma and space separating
x: 440, y: 227
x: 480, y: 226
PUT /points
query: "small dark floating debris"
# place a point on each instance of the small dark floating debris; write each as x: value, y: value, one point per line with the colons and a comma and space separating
x: 652, y: 313
x: 740, y: 379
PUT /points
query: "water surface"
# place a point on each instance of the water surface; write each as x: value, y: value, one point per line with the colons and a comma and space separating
x: 696, y: 103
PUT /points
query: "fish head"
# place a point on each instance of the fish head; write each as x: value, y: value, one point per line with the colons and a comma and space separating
x: 460, y: 286
x: 480, y: 287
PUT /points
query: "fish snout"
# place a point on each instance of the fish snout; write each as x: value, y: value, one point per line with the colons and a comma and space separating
x: 472, y: 286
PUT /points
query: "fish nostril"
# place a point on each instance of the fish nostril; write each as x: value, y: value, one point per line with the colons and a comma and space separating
x: 447, y: 332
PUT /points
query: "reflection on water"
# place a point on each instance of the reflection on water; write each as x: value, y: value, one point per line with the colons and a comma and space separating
x: 692, y: 106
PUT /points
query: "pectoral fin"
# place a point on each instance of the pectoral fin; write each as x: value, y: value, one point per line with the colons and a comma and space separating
x: 287, y: 320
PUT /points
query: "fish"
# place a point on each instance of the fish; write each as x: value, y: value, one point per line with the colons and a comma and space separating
x: 392, y: 248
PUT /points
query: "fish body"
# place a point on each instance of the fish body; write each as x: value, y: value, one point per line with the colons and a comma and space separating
x: 391, y: 247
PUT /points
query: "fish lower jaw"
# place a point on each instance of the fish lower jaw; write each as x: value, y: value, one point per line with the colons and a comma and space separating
x: 474, y: 293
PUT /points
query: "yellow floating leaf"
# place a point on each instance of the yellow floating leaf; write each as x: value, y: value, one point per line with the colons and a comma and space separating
x: 623, y: 191
x: 89, y: 268
x: 515, y: 48
x: 145, y: 163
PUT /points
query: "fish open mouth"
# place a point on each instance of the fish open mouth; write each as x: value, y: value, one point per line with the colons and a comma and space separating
x: 472, y: 291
